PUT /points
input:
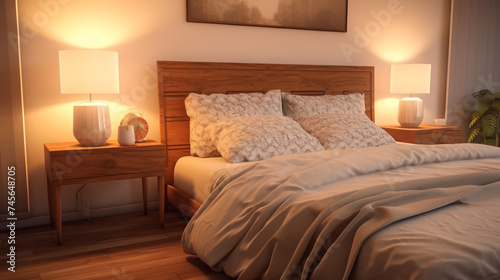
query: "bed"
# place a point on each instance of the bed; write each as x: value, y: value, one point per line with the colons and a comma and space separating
x: 382, y: 211
x: 176, y: 80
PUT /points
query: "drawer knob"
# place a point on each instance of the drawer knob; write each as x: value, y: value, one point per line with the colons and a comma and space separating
x: 110, y: 163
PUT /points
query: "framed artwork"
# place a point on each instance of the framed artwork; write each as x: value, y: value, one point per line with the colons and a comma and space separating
x: 324, y: 15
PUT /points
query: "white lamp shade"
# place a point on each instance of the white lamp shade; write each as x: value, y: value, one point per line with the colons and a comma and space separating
x: 91, y: 124
x: 89, y: 71
x: 411, y: 78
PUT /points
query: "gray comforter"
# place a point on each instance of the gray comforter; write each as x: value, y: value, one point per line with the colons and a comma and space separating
x: 390, y: 212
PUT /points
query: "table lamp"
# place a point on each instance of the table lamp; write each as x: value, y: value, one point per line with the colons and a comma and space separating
x: 410, y: 79
x: 89, y: 72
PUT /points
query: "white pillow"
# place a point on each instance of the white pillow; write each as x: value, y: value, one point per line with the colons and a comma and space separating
x: 345, y: 131
x: 260, y: 137
x: 295, y: 106
x: 205, y: 109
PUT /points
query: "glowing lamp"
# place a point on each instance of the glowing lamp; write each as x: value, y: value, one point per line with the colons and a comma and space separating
x: 410, y: 79
x: 89, y: 72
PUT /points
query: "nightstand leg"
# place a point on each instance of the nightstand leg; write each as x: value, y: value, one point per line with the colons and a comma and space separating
x: 50, y: 196
x: 57, y: 211
x: 145, y: 194
x: 161, y: 200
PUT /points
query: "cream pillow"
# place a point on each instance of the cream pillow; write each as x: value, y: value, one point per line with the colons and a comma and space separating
x: 296, y: 106
x: 205, y: 109
x: 345, y: 131
x: 260, y: 137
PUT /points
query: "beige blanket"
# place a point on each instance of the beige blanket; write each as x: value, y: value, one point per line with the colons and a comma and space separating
x: 282, y: 218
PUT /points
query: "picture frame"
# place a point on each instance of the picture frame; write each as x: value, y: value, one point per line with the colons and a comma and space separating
x: 321, y: 15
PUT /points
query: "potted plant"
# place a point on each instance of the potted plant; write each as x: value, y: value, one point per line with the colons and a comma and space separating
x: 485, y: 119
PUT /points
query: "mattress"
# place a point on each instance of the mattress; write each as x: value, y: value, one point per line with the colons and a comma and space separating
x: 192, y: 175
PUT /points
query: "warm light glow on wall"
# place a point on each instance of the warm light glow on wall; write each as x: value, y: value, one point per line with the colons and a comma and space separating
x: 87, y: 24
x: 396, y: 50
x: 401, y: 41
x: 384, y: 108
x: 92, y: 32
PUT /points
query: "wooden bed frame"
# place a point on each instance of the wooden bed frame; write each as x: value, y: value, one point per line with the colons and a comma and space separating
x: 177, y: 79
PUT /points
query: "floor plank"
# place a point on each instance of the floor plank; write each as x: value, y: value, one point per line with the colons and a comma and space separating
x: 127, y: 247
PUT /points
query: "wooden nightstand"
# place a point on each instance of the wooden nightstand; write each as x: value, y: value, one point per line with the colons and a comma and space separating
x: 70, y: 163
x: 425, y: 134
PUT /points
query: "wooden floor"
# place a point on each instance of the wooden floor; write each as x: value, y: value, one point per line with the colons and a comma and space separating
x: 129, y: 247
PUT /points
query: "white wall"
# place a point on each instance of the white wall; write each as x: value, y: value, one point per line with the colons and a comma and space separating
x: 380, y: 32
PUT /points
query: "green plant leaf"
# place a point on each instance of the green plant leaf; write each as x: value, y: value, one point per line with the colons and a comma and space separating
x: 491, y: 142
x: 490, y: 125
x: 496, y: 105
x: 484, y: 124
x: 474, y: 133
x: 495, y: 96
x: 481, y: 109
x: 482, y: 94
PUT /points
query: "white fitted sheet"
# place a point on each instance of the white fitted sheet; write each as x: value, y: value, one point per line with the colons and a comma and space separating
x: 192, y: 174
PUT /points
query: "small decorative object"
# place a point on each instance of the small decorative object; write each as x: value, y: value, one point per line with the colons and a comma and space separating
x: 411, y: 79
x: 140, y: 125
x: 89, y: 72
x: 484, y: 125
x: 126, y: 135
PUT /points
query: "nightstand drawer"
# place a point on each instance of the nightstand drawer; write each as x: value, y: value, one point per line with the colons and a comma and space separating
x: 425, y: 134
x: 76, y: 163
x: 108, y: 164
x: 439, y: 136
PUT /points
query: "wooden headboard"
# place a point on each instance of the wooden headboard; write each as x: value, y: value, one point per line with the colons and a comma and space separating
x: 177, y: 79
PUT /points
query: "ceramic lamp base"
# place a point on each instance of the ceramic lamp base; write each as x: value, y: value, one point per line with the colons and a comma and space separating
x: 91, y: 124
x: 410, y: 112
